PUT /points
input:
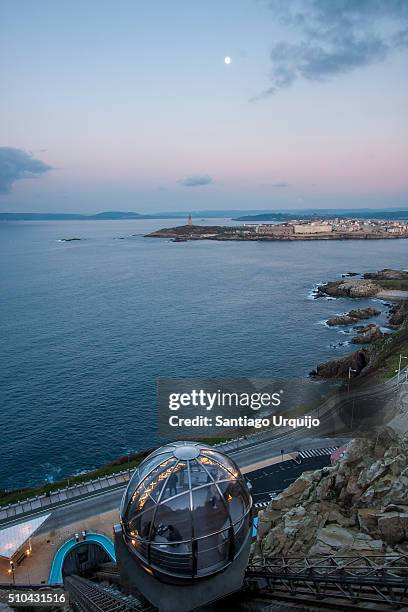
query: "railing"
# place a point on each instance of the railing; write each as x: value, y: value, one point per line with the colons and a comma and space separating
x: 86, y: 596
x: 108, y: 572
x: 375, y: 580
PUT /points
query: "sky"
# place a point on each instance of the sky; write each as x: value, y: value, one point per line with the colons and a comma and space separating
x: 129, y: 105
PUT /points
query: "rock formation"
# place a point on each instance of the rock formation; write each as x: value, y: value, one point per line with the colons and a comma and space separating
x: 364, y: 313
x: 339, y: 368
x: 344, y: 319
x: 387, y: 274
x: 398, y: 313
x: 357, y: 506
x: 357, y: 314
x: 383, y: 346
x: 368, y: 334
x: 355, y: 288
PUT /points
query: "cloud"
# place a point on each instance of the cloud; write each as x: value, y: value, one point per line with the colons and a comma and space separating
x: 16, y: 164
x: 327, y: 38
x: 196, y: 180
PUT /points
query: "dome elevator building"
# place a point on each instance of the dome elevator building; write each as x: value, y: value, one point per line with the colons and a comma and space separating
x: 185, y: 520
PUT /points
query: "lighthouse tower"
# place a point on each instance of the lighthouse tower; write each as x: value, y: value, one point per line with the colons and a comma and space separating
x: 189, y: 220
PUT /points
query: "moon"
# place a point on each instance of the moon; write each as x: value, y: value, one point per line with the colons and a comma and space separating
x: 227, y: 60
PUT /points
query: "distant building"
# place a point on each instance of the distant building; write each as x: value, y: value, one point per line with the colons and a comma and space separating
x: 273, y: 229
x: 313, y: 228
x: 189, y: 220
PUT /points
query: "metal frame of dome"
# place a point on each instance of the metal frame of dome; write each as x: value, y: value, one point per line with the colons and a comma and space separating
x: 221, y: 502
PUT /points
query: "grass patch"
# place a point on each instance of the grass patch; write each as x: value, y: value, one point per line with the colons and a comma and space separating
x: 116, y: 466
x: 399, y: 285
x: 386, y: 360
x: 126, y: 462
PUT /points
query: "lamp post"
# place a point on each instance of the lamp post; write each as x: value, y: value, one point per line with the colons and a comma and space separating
x: 11, y: 571
x: 350, y: 370
x: 401, y: 357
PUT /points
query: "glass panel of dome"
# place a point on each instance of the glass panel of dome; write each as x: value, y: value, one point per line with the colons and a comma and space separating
x: 152, y: 485
x: 168, y: 448
x: 177, y: 482
x: 213, y: 552
x: 133, y: 483
x: 174, y: 558
x: 150, y: 463
x: 140, y: 547
x: 172, y: 522
x: 210, y: 512
x: 214, y: 469
x: 226, y: 462
x: 234, y: 497
x: 198, y: 475
x: 241, y: 531
x: 139, y: 525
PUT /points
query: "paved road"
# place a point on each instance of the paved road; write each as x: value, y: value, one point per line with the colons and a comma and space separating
x: 288, y: 443
x: 268, y: 482
x: 254, y: 451
x: 106, y: 501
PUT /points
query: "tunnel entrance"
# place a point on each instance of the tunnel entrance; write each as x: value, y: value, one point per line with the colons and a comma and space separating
x: 84, y: 559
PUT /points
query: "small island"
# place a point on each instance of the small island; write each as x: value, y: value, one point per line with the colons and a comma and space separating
x: 321, y: 229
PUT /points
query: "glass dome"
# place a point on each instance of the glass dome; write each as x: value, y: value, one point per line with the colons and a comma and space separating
x: 186, y: 511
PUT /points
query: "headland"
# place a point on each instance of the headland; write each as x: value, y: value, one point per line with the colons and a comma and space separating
x: 321, y: 229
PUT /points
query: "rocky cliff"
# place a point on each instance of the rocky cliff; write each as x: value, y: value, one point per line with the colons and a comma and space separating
x: 358, y: 506
x: 352, y: 364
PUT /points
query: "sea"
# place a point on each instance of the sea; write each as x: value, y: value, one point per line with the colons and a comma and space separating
x: 88, y: 326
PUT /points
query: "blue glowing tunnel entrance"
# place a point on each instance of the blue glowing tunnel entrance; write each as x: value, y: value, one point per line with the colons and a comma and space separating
x: 56, y: 572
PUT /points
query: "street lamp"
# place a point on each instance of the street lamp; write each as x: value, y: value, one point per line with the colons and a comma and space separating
x: 401, y: 357
x: 11, y: 571
x: 350, y: 370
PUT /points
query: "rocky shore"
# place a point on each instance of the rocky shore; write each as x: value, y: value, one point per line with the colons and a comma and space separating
x: 352, y: 288
x: 382, y: 346
x: 370, y: 285
x: 340, y: 368
x: 368, y: 334
x: 357, y: 314
x: 276, y: 232
x: 398, y: 313
x: 359, y: 506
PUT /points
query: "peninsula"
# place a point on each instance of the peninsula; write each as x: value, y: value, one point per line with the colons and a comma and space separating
x: 322, y: 229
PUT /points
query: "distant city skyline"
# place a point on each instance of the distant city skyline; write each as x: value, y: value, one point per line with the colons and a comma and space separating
x: 132, y: 106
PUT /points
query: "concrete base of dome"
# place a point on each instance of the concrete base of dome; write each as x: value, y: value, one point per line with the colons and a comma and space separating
x: 169, y: 597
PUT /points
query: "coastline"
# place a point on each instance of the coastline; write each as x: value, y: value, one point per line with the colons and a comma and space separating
x: 134, y: 459
x: 392, y: 294
x: 278, y: 232
x: 378, y: 354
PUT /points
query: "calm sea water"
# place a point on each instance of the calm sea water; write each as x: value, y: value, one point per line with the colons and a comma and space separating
x: 87, y: 327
